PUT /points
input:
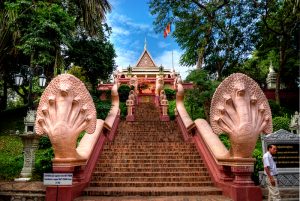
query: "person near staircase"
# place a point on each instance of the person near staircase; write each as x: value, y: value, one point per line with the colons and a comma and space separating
x: 271, y: 172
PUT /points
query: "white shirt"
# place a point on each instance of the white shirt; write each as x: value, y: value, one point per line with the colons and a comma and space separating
x: 269, y: 162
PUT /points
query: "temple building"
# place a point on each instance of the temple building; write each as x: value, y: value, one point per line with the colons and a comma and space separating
x: 146, y: 68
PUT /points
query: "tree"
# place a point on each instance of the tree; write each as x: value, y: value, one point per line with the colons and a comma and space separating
x: 278, y: 31
x: 95, y: 55
x: 213, y: 33
x: 37, y: 32
x: 50, y: 28
x: 201, y: 94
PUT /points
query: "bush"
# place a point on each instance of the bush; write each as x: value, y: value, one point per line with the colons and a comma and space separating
x: 43, y: 163
x: 123, y: 110
x: 225, y: 139
x: 258, y: 165
x: 171, y: 107
x: 11, y: 157
x: 281, y: 123
x: 275, y: 108
x: 102, y: 108
x: 123, y: 92
x: 170, y: 93
x: 44, y: 143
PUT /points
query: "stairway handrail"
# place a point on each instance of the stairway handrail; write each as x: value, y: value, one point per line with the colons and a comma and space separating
x: 90, y: 148
x: 181, y: 111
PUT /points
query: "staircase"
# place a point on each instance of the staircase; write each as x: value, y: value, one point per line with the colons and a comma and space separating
x: 150, y: 158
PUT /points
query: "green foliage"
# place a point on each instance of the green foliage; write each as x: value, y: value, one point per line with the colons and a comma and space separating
x: 95, y: 55
x: 11, y: 157
x: 198, y: 99
x: 281, y: 123
x: 44, y: 143
x: 79, y: 72
x: 123, y: 91
x: 123, y: 110
x: 12, y: 120
x: 225, y: 139
x: 275, y: 108
x: 102, y: 108
x: 49, y: 28
x: 214, y: 33
x: 170, y: 93
x: 171, y: 108
x: 43, y: 162
x: 258, y: 165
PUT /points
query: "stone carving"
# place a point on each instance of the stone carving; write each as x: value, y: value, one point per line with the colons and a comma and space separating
x: 159, y: 85
x: 295, y: 123
x: 240, y: 108
x: 65, y: 110
x: 129, y: 104
x: 162, y: 96
x: 134, y: 82
x: 132, y: 95
x: 164, y: 104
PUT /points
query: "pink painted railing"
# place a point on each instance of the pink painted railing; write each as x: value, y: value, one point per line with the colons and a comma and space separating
x: 231, y: 175
x: 90, y: 147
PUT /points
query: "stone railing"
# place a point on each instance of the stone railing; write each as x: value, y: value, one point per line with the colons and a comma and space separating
x: 240, y: 109
x: 113, y: 118
x: 65, y: 110
x: 186, y: 124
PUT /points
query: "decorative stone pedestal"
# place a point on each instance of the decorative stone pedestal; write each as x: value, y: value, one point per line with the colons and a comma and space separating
x: 30, y: 144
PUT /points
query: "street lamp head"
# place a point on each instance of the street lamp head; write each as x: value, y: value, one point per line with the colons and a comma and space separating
x: 42, y: 80
x: 19, y: 78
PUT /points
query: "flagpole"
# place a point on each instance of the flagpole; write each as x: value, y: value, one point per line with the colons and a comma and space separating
x: 172, y: 59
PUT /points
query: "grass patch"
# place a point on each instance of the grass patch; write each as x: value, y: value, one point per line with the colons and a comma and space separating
x: 11, y: 157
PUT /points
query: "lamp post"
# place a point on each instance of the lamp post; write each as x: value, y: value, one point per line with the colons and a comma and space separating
x: 29, y: 138
x: 28, y: 73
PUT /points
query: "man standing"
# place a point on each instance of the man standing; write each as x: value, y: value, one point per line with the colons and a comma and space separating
x: 271, y: 172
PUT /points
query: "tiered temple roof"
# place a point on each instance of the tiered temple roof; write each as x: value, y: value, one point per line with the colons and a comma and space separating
x: 146, y: 67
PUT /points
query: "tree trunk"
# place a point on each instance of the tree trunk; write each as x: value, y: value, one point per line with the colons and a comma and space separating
x: 4, y: 97
x: 200, y: 58
x: 282, y: 52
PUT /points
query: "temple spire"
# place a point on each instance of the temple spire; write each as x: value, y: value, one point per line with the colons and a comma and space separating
x: 145, y: 45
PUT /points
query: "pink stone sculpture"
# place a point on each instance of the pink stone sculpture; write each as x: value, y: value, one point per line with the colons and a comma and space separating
x: 65, y: 110
x: 134, y: 82
x: 164, y: 105
x: 240, y: 109
x: 129, y: 104
x: 159, y: 85
x: 162, y: 96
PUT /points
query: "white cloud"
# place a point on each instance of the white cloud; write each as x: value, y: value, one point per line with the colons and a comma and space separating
x: 163, y: 44
x: 125, y: 57
x: 165, y: 59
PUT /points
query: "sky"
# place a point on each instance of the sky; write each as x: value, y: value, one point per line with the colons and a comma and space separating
x: 132, y: 23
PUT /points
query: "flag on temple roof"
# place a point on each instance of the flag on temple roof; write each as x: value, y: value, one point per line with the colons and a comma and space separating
x: 167, y: 30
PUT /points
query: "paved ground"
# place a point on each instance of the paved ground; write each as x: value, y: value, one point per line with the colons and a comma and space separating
x: 158, y: 198
x: 38, y: 189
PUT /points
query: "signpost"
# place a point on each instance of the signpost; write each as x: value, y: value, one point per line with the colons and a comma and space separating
x: 58, y: 179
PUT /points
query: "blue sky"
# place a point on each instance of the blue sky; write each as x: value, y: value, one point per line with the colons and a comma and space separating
x: 131, y: 23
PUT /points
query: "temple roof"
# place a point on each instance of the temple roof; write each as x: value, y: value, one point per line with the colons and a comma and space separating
x: 145, y: 60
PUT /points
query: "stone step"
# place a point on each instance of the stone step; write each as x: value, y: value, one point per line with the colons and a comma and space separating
x: 147, y: 168
x: 152, y: 191
x: 149, y: 184
x: 155, y: 161
x: 153, y: 179
x: 150, y: 158
x: 150, y: 165
x: 155, y: 198
x: 110, y: 174
x: 120, y: 156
